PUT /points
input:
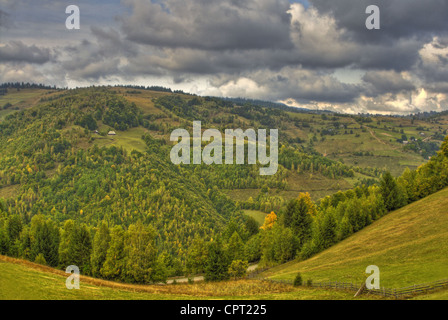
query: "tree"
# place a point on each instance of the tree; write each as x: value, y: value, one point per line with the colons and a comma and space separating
x: 25, y: 243
x: 218, y: 262
x: 80, y: 248
x: 141, y: 253
x: 235, y: 247
x: 407, y: 181
x: 64, y: 245
x: 232, y: 227
x: 278, y: 244
x: 197, y: 256
x: 298, y: 217
x: 101, y: 242
x: 269, y: 221
x: 14, y: 227
x: 444, y: 147
x: 298, y: 280
x: 345, y: 229
x: 251, y: 226
x: 325, y: 230
x: 115, y: 258
x: 45, y: 240
x: 40, y: 259
x: 238, y: 269
x: 252, y: 248
x: 392, y: 195
x: 4, y: 241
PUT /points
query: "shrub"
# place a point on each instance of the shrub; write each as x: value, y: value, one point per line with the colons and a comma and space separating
x: 298, y: 280
x: 40, y: 259
x: 237, y: 268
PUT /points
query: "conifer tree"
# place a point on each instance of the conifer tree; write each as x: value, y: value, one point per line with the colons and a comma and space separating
x: 218, y: 262
x: 115, y: 258
x: 235, y: 247
x: 101, y: 243
x: 140, y: 252
x: 45, y: 240
x: 392, y: 195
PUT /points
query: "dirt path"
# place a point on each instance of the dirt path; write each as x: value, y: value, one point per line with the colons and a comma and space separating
x: 201, y: 278
x: 372, y: 133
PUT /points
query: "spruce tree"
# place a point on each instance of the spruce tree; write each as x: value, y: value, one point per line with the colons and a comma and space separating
x: 217, y: 262
x: 115, y: 258
x: 392, y: 195
x: 101, y: 243
x: 297, y: 217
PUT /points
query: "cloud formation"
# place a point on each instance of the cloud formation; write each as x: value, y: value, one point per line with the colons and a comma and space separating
x: 17, y: 51
x: 209, y: 24
x: 264, y: 49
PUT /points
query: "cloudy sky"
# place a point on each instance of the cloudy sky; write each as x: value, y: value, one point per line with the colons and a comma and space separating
x: 311, y: 53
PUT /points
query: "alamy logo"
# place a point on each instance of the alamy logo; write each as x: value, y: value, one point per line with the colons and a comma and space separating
x: 373, y: 281
x: 72, y: 281
x: 212, y: 152
x: 72, y: 21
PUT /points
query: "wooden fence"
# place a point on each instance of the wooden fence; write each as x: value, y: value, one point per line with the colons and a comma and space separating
x: 385, y: 292
x: 254, y: 274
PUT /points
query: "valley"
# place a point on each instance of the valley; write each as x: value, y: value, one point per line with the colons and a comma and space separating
x: 350, y: 190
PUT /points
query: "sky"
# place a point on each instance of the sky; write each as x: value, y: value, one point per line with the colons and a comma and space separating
x: 315, y: 54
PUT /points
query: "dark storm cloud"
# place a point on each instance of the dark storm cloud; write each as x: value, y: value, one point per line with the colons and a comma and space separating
x: 399, y: 18
x: 400, y: 55
x: 432, y: 67
x: 299, y: 84
x: 312, y: 86
x: 5, y: 21
x: 97, y: 58
x: 209, y: 24
x: 17, y: 51
x: 268, y: 49
x: 380, y: 82
x: 111, y: 43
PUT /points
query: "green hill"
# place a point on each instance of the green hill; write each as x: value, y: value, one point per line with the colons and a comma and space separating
x: 23, y: 280
x: 116, y: 206
x: 408, y: 245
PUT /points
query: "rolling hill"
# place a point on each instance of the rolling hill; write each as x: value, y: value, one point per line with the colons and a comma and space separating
x: 22, y: 280
x: 408, y: 245
x: 116, y: 206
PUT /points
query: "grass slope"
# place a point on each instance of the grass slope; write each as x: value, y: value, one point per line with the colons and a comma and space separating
x: 23, y: 280
x: 257, y: 215
x: 409, y: 246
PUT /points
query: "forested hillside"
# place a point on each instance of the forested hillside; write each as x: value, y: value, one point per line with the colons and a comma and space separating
x: 119, y: 209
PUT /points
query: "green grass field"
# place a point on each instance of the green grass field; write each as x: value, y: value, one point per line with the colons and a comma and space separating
x: 317, y: 185
x: 129, y: 140
x: 21, y: 280
x: 409, y: 246
x: 257, y: 215
x: 19, y: 100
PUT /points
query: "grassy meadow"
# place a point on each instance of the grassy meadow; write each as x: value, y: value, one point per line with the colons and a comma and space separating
x: 22, y: 280
x: 408, y: 245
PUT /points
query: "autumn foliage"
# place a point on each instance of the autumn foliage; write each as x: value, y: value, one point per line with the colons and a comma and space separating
x: 269, y: 221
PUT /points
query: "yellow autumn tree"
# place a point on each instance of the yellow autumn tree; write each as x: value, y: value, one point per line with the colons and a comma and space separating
x: 309, y: 203
x: 269, y: 221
